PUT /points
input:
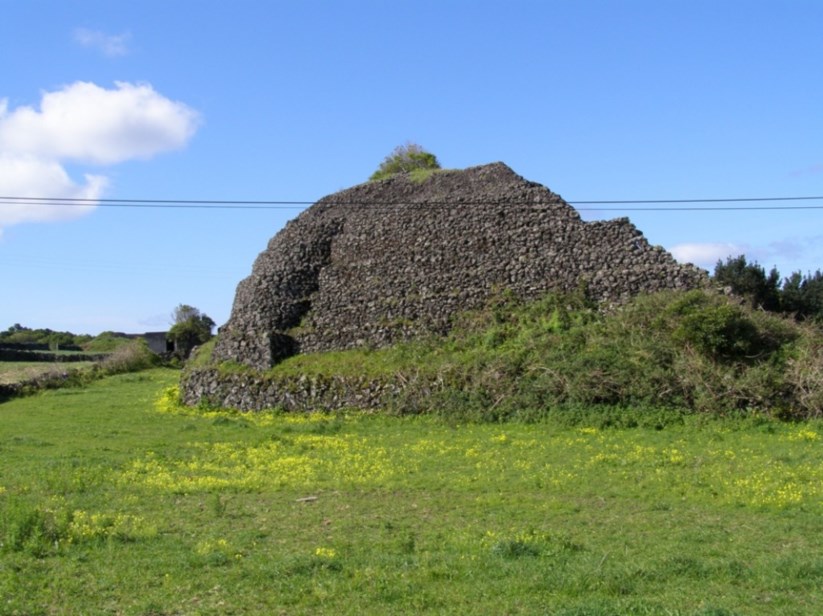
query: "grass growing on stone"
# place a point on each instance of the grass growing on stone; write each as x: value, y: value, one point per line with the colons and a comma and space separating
x: 113, y: 499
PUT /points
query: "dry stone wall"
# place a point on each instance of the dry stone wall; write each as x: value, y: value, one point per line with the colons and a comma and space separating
x: 254, y: 391
x: 393, y: 259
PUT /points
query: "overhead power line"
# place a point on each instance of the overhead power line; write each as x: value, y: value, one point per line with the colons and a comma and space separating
x: 640, y: 204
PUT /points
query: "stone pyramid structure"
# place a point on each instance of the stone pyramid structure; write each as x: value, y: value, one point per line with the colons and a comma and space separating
x: 390, y: 260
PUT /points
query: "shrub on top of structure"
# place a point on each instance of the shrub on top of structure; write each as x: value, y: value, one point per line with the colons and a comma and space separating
x: 406, y: 158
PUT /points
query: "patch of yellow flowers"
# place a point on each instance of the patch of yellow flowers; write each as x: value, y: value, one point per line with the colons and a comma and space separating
x: 804, y: 434
x: 84, y: 526
x: 563, y: 463
x: 305, y: 461
x: 325, y: 553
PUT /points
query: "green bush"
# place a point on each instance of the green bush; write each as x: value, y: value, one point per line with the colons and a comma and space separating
x: 408, y: 158
x: 804, y: 374
x: 694, y: 351
x: 720, y: 329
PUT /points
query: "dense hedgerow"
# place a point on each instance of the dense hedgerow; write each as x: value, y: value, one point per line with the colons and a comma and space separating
x: 695, y: 351
x: 685, y: 352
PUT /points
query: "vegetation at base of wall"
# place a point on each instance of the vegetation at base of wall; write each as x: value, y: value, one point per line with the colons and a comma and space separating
x: 201, y: 356
x: 695, y: 351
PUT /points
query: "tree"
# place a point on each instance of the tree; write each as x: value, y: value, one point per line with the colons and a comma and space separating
x: 19, y: 335
x: 749, y: 280
x: 802, y: 296
x: 404, y: 159
x: 191, y: 328
x: 791, y: 299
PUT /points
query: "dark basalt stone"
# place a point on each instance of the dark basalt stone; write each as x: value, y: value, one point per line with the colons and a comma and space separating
x: 394, y: 259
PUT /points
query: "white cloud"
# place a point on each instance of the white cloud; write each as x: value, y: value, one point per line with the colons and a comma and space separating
x: 111, y: 45
x: 84, y: 123
x: 87, y: 123
x: 23, y: 178
x: 705, y: 255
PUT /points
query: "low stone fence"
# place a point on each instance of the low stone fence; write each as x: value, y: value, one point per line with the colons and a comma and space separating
x: 17, y: 355
x: 249, y: 391
x: 49, y: 380
x: 36, y: 346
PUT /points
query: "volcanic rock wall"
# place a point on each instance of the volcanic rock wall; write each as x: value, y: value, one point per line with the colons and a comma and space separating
x: 390, y: 260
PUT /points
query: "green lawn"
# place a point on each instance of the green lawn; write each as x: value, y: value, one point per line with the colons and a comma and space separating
x: 115, y: 501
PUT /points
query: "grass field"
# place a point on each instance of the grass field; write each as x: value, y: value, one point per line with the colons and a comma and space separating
x: 113, y: 500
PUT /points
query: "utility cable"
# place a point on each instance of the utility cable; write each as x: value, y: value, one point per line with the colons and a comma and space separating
x: 679, y: 204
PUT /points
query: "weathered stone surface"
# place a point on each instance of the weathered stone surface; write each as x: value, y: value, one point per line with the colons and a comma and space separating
x: 252, y: 392
x: 390, y: 260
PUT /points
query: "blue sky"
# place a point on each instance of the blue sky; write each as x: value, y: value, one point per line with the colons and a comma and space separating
x: 267, y: 100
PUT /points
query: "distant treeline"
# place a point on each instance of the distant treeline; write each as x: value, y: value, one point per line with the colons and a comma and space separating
x: 25, y: 338
x: 800, y: 295
x: 22, y: 338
